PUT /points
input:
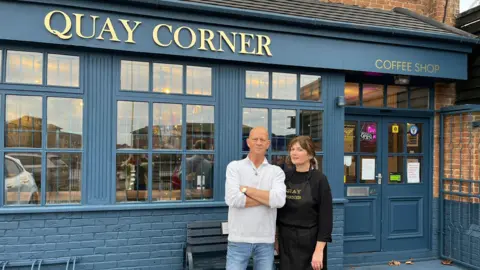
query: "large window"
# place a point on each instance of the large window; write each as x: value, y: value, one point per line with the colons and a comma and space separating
x: 165, y: 151
x: 288, y: 113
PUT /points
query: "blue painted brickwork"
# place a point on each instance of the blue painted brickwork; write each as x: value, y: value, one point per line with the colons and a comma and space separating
x: 140, y: 239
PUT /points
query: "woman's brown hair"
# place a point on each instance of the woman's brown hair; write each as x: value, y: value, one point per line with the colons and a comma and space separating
x: 307, y: 144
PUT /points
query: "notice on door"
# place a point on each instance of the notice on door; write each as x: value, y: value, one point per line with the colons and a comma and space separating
x: 368, y: 169
x: 413, y: 172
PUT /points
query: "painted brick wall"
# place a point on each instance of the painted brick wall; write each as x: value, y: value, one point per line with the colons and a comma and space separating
x: 140, y: 239
x: 431, y: 8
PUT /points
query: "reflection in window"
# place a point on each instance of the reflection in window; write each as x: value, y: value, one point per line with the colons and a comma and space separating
x: 65, y: 122
x: 368, y: 137
x: 132, y: 125
x: 419, y: 98
x: 349, y: 169
x: 24, y: 67
x: 414, y: 138
x: 352, y: 94
x: 395, y: 170
x: 132, y: 177
x: 23, y: 121
x: 167, y: 177
x: 168, y: 78
x: 256, y: 84
x: 350, y: 136
x: 199, y: 81
x: 311, y: 124
x: 199, y: 177
x: 134, y: 75
x: 20, y: 185
x: 64, y: 178
x: 396, y: 135
x: 252, y: 117
x: 200, y: 127
x: 284, y: 86
x: 167, y: 126
x: 310, y: 87
x: 372, y: 95
x: 281, y: 161
x: 63, y: 70
x: 397, y: 96
x: 283, y: 129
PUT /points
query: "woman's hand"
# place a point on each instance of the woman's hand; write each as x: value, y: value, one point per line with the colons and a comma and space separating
x: 317, y: 260
x: 276, y: 246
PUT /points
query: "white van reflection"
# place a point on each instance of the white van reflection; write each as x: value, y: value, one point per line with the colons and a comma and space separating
x: 20, y: 187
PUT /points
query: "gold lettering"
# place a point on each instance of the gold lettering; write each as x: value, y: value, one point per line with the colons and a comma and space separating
x: 409, y: 66
x: 262, y: 45
x: 245, y: 43
x: 60, y: 34
x: 129, y: 30
x: 78, y: 25
x: 176, y: 37
x: 224, y: 37
x: 437, y: 68
x: 378, y: 64
x: 108, y: 27
x: 155, y: 34
x: 204, y: 39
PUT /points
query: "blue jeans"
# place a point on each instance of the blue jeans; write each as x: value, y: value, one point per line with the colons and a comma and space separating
x: 238, y: 256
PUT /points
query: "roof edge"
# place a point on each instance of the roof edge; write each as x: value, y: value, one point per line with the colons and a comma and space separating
x: 433, y: 22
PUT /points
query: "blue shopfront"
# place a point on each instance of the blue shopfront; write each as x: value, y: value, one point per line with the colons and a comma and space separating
x: 120, y: 121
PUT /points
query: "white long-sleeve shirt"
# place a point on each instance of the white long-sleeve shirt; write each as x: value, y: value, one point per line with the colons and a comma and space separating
x: 253, y: 224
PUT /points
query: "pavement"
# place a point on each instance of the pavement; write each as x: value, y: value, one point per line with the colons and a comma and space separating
x: 425, y: 265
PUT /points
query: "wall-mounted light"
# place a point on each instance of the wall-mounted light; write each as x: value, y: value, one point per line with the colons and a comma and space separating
x: 340, y: 101
x: 402, y: 79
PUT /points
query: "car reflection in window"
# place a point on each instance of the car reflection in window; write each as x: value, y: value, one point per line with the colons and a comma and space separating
x: 20, y: 186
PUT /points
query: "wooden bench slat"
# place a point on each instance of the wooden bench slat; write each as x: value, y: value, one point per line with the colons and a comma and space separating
x: 205, y: 232
x: 206, y: 224
x: 207, y: 240
x: 209, y: 248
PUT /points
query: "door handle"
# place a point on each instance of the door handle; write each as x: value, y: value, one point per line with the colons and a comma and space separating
x: 379, y: 177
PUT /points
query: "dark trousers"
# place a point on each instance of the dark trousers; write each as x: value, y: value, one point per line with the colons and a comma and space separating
x: 296, y: 247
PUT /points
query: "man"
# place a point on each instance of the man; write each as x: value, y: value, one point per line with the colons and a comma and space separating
x: 254, y: 190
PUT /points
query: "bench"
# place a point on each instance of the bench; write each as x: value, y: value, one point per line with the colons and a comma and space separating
x: 207, y: 246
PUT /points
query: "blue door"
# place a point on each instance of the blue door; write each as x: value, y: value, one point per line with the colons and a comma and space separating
x: 386, y: 184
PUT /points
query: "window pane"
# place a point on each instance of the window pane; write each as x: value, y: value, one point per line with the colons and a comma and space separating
x: 63, y: 70
x: 320, y: 162
x: 24, y: 67
x: 414, y: 138
x: 1, y: 64
x: 132, y: 125
x: 167, y: 126
x: 199, y: 81
x: 167, y: 177
x: 367, y: 170
x: 20, y: 185
x: 372, y: 95
x: 396, y: 135
x: 23, y: 122
x: 256, y: 84
x: 352, y: 94
x: 397, y: 96
x: 310, y: 87
x: 419, y: 98
x: 283, y: 129
x: 167, y: 78
x: 368, y: 137
x: 284, y: 86
x: 135, y: 75
x: 350, y: 136
x: 414, y: 170
x: 132, y: 177
x: 200, y: 127
x: 199, y: 177
x: 64, y: 178
x: 349, y: 169
x: 395, y: 170
x: 252, y: 117
x: 281, y: 161
x: 32, y: 163
x: 65, y: 122
x: 311, y: 124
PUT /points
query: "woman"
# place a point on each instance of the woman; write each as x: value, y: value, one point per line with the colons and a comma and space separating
x: 305, y: 222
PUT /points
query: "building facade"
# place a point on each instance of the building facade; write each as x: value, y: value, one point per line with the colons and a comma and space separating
x: 121, y: 118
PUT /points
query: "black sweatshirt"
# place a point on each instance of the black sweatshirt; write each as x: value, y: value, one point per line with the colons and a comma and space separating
x: 303, y: 211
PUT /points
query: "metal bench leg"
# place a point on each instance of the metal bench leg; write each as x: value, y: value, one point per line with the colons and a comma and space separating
x: 68, y: 264
x: 74, y: 261
x: 39, y: 264
x: 33, y: 264
x: 4, y: 265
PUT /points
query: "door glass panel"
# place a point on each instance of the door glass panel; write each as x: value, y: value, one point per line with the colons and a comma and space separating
x: 350, y: 135
x: 396, y: 133
x: 283, y: 129
x: 367, y: 170
x: 311, y: 124
x: 414, y: 138
x: 349, y: 169
x: 368, y: 137
x: 414, y: 170
x: 395, y: 170
x: 397, y: 96
x: 372, y: 95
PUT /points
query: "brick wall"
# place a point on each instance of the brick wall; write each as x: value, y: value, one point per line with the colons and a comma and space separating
x: 431, y: 8
x: 143, y: 239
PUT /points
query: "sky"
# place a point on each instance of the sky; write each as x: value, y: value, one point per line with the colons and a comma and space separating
x: 465, y: 4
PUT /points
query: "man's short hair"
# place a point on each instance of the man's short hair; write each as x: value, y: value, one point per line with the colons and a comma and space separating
x: 200, y: 144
